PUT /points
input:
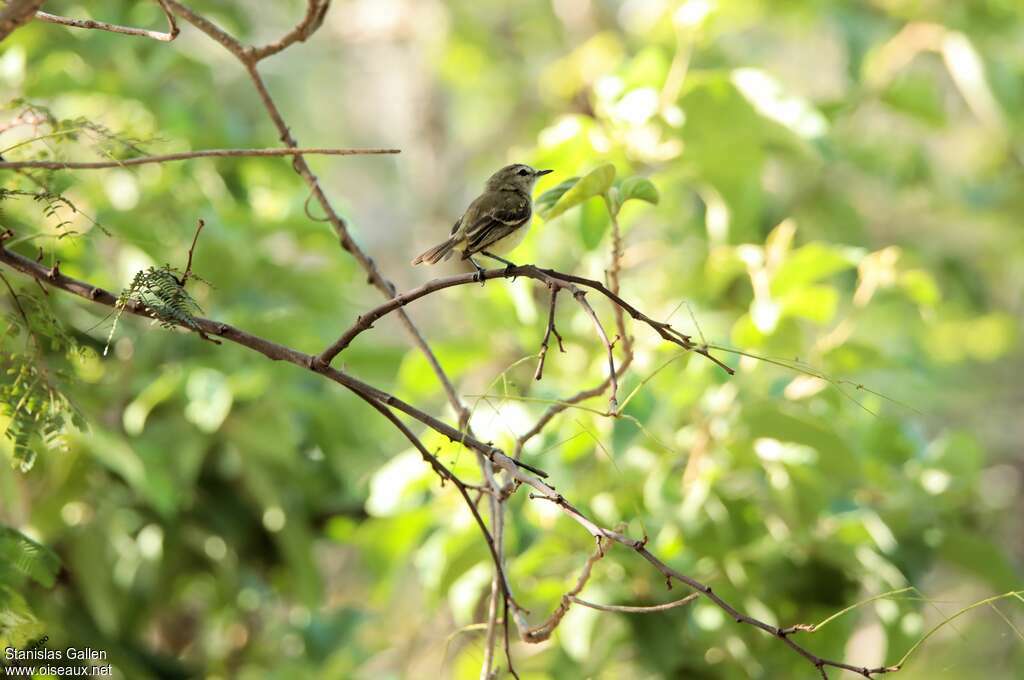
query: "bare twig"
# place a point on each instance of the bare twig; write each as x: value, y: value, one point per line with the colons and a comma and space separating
x: 191, y: 251
x: 15, y: 14
x: 613, y: 281
x: 625, y: 609
x: 543, y: 631
x: 613, y: 400
x: 169, y: 35
x: 186, y: 155
x: 316, y: 10
x: 209, y: 28
x: 539, y: 373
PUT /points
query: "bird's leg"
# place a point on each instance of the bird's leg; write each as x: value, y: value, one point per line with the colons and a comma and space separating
x: 508, y: 264
x: 479, y: 275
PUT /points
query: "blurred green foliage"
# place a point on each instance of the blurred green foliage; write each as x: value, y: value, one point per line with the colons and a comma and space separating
x: 836, y: 187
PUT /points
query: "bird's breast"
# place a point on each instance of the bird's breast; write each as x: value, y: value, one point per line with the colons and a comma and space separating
x: 511, y: 241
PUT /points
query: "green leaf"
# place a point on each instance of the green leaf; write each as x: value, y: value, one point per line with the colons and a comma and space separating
x: 981, y: 557
x: 635, y: 188
x: 811, y: 263
x: 594, y: 223
x: 547, y: 200
x: 33, y: 560
x: 18, y: 626
x: 816, y: 303
x: 595, y: 183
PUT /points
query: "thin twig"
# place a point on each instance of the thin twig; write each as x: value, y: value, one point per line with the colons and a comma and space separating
x: 539, y: 373
x: 168, y: 36
x: 613, y: 400
x: 625, y: 609
x: 316, y: 10
x: 186, y: 155
x: 543, y: 631
x: 191, y: 250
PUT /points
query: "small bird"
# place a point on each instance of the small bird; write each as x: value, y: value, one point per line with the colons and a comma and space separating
x: 495, y: 222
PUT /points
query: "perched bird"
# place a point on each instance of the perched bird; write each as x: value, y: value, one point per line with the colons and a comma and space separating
x: 495, y: 222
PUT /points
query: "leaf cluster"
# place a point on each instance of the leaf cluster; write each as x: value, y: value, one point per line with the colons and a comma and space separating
x: 35, y: 370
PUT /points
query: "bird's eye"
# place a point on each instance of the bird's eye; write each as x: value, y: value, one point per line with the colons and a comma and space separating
x: 523, y: 172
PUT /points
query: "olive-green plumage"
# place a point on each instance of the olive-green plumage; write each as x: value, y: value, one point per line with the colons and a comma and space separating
x: 495, y: 222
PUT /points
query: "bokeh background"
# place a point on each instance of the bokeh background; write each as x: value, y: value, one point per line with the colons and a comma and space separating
x: 841, y: 184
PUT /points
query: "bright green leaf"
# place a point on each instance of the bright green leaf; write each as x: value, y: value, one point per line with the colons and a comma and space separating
x: 634, y: 188
x: 27, y: 558
x: 595, y: 183
x: 547, y: 200
x: 594, y: 223
x: 809, y: 264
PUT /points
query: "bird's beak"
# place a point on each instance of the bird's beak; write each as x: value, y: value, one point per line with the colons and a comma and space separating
x: 539, y: 173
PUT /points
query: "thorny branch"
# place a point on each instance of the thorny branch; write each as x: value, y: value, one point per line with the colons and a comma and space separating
x: 17, y: 12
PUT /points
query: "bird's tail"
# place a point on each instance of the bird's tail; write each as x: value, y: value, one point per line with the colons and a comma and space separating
x: 439, y: 252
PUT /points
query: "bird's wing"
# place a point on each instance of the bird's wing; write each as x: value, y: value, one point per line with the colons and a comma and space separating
x: 455, y: 227
x: 487, y: 221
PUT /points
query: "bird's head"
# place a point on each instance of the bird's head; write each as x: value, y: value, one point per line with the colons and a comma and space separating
x: 515, y: 177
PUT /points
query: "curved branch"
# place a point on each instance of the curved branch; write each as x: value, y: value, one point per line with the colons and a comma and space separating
x: 625, y: 609
x: 316, y: 10
x: 186, y: 155
x: 550, y: 277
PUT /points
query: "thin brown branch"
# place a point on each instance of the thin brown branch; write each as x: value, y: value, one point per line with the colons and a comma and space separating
x: 626, y: 609
x: 613, y: 282
x: 448, y: 475
x: 547, y: 276
x: 17, y: 13
x: 316, y: 10
x: 640, y: 547
x: 186, y: 155
x: 164, y: 36
x: 228, y: 41
x: 539, y: 373
x: 543, y: 631
x: 613, y: 400
x: 191, y: 251
x: 17, y: 304
x: 562, y: 405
